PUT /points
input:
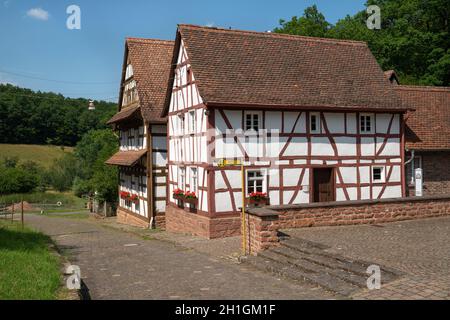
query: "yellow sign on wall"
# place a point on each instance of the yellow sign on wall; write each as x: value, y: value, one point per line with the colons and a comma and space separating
x: 229, y: 162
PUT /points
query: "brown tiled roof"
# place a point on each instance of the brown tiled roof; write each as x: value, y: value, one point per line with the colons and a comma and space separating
x: 151, y: 60
x: 428, y: 128
x: 124, y: 114
x: 126, y: 158
x: 268, y: 69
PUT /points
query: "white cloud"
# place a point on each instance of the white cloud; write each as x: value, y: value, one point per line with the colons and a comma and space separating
x: 210, y: 24
x: 38, y: 13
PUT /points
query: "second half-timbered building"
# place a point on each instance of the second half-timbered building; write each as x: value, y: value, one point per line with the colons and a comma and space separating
x: 311, y: 120
x: 142, y: 156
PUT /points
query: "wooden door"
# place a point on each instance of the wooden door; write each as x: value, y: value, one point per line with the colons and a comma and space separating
x: 323, y: 185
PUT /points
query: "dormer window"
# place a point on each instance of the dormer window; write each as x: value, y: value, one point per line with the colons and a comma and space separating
x: 366, y: 123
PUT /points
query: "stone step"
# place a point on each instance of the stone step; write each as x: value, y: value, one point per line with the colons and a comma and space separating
x: 303, y: 261
x: 311, y: 252
x: 293, y: 272
x: 279, y: 255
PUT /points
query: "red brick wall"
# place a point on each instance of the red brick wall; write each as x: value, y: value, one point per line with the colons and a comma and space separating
x: 367, y: 212
x: 262, y: 233
x: 436, y: 173
x: 128, y: 218
x: 181, y: 221
x: 263, y: 229
x: 160, y: 221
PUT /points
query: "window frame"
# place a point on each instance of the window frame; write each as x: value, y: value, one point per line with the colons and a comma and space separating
x: 263, y: 179
x: 182, y: 124
x: 193, y: 121
x: 382, y: 174
x: 182, y: 178
x: 252, y: 125
x: 193, y: 179
x: 362, y: 125
x: 318, y: 129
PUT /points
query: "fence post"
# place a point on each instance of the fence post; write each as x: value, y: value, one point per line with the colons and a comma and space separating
x: 21, y: 212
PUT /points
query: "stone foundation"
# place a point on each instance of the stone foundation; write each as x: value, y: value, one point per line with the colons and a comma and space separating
x: 181, y: 221
x: 129, y: 218
x: 160, y: 221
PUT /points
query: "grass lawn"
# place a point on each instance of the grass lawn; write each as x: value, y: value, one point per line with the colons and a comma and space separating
x: 49, y: 199
x: 43, y: 155
x: 28, y: 268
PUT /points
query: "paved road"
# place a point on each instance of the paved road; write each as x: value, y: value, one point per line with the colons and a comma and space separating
x: 119, y: 265
x: 420, y: 248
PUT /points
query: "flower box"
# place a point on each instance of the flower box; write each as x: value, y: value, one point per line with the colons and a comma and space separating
x: 258, y: 199
x: 134, y: 198
x: 178, y: 194
x: 178, y: 197
x: 191, y: 198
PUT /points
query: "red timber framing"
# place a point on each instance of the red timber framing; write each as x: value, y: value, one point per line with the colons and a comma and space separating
x: 335, y: 160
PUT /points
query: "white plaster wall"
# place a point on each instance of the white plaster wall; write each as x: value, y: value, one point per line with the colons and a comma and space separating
x: 335, y: 122
x: 346, y: 146
x: 297, y: 147
x: 349, y: 174
x: 321, y: 146
x: 352, y: 123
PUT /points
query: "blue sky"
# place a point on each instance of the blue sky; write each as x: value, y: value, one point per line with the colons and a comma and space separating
x: 87, y: 63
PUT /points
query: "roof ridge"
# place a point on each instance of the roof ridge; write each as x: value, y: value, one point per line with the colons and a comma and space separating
x: 422, y: 88
x: 149, y: 40
x: 276, y: 35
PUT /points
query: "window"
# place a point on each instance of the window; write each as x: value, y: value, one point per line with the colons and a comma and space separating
x: 192, y: 116
x: 252, y: 121
x: 189, y: 75
x: 140, y: 142
x: 378, y: 174
x: 130, y: 138
x: 194, y: 180
x: 366, y: 123
x: 255, y: 181
x: 314, y: 122
x: 143, y: 185
x: 129, y: 72
x: 182, y: 180
x: 181, y: 126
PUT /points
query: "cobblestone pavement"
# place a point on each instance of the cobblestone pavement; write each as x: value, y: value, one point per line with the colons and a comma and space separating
x: 119, y: 265
x: 420, y: 248
x: 225, y: 248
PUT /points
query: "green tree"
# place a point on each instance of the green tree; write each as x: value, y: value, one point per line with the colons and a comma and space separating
x: 312, y: 23
x: 414, y: 38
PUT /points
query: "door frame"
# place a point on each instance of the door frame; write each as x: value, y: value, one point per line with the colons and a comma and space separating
x: 312, y: 184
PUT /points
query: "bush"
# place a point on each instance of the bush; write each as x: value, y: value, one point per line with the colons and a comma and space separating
x: 16, y: 180
x: 81, y: 187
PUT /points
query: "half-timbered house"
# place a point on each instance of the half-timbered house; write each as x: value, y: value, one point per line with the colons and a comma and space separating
x: 311, y: 120
x: 142, y: 132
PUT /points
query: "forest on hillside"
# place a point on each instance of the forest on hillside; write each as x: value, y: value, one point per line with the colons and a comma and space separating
x: 29, y: 117
x: 414, y: 38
